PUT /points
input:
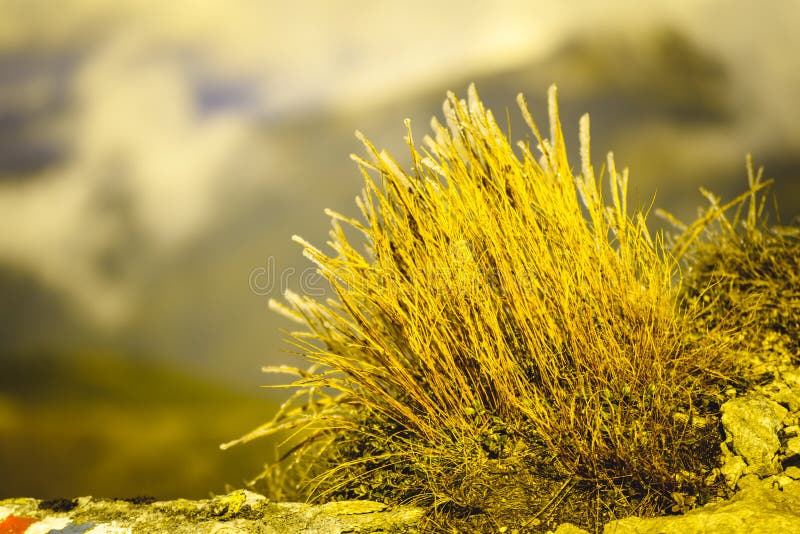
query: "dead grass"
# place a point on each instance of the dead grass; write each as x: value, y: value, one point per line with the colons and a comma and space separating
x: 511, y: 345
x: 744, y: 273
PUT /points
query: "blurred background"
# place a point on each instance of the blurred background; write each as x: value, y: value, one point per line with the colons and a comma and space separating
x: 156, y: 157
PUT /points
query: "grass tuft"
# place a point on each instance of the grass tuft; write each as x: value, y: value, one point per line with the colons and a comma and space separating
x: 744, y: 273
x: 511, y: 344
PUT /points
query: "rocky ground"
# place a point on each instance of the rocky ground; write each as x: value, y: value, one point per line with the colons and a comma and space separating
x: 764, y: 505
x: 238, y: 512
x: 760, y: 460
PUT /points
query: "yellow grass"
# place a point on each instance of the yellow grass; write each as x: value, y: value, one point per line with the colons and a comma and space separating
x: 742, y: 271
x: 510, y: 345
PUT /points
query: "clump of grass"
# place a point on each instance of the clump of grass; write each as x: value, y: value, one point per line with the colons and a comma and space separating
x: 743, y: 271
x: 508, y: 348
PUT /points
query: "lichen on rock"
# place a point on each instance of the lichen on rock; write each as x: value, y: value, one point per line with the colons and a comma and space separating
x: 752, y: 424
x: 241, y: 511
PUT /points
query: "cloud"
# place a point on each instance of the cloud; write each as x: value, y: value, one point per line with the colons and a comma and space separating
x: 143, y: 171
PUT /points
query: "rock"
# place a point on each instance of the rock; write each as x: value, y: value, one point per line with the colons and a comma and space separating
x: 764, y: 470
x: 748, y: 481
x: 791, y: 430
x: 752, y: 424
x: 787, y: 397
x: 569, y: 528
x: 733, y: 469
x: 766, y: 506
x: 792, y: 471
x: 758, y: 508
x: 791, y: 378
x: 793, y: 447
x: 238, y: 512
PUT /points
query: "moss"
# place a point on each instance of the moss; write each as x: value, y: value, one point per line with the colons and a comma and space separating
x: 512, y: 344
x: 58, y: 505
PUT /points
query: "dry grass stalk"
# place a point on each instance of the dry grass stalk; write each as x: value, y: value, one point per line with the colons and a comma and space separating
x: 512, y: 330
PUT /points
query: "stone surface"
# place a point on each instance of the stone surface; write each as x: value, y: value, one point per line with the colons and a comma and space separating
x: 238, y: 512
x: 770, y: 505
x: 733, y: 469
x: 792, y: 430
x: 752, y: 424
x: 569, y: 528
x: 763, y: 507
x: 793, y: 446
x: 793, y: 472
x: 786, y: 396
